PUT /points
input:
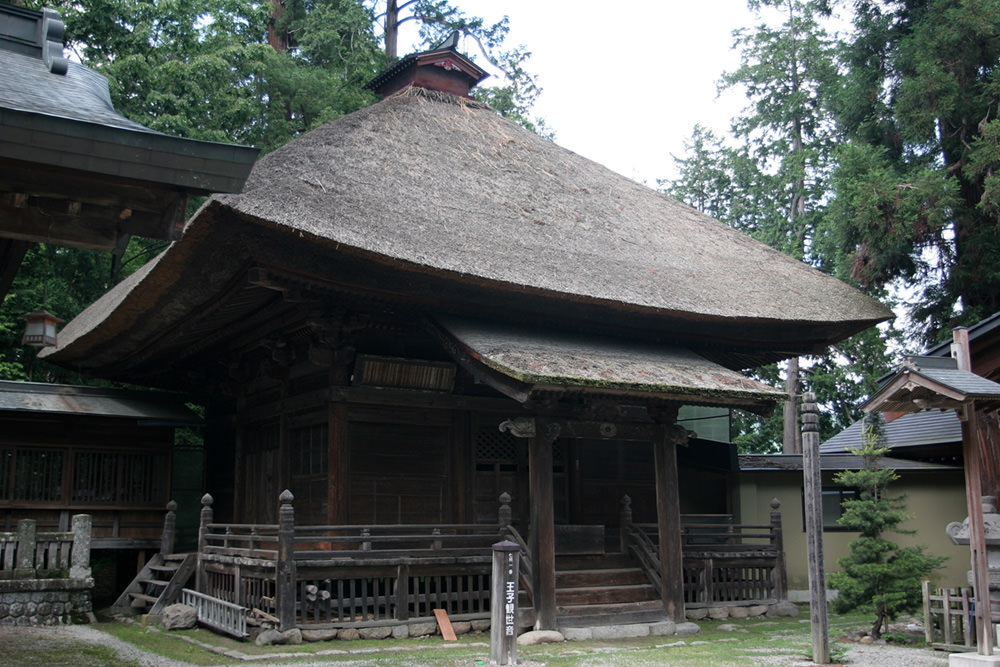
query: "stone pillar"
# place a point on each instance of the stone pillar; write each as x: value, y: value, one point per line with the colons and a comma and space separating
x: 80, y: 555
x: 169, y: 534
x: 24, y: 567
x: 207, y: 517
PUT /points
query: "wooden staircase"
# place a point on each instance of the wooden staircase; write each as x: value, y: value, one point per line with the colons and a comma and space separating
x: 607, y: 589
x: 159, y: 584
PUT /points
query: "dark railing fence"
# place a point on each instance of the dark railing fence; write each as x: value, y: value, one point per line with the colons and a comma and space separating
x: 299, y: 575
x: 723, y: 563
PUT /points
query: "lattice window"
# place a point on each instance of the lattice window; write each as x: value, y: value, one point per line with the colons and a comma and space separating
x: 310, y: 449
x: 120, y: 478
x: 493, y: 445
x: 6, y: 465
x: 38, y: 475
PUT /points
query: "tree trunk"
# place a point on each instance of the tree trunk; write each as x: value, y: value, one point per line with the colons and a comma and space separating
x: 391, y: 30
x: 792, y: 441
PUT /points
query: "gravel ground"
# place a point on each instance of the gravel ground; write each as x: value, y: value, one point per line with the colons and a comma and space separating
x: 18, y: 643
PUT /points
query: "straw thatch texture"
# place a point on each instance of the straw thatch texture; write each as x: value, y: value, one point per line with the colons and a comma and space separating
x: 453, y: 187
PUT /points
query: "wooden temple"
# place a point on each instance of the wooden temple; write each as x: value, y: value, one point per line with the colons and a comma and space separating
x: 421, y: 307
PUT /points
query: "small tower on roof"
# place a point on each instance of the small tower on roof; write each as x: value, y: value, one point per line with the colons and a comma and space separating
x: 442, y: 68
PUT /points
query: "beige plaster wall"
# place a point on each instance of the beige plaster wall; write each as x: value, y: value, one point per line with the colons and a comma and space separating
x: 933, y: 500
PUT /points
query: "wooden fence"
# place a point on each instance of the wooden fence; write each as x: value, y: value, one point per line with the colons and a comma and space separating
x: 29, y: 554
x: 346, y: 575
x: 949, y: 618
x: 723, y: 563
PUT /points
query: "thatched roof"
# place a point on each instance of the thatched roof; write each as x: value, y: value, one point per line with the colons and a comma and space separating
x: 442, y: 190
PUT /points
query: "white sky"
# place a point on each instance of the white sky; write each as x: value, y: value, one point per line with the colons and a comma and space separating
x: 625, y: 85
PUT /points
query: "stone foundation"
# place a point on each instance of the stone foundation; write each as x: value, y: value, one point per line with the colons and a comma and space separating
x: 45, y: 602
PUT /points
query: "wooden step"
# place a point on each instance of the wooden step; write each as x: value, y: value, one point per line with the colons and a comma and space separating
x: 594, y: 561
x: 594, y: 595
x: 143, y: 597
x: 605, y: 577
x: 578, y: 616
x: 154, y: 582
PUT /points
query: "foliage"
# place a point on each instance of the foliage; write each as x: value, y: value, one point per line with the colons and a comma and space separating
x: 915, y: 196
x: 772, y: 179
x: 878, y: 575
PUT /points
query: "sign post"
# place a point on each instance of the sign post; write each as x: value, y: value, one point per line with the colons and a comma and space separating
x: 503, y: 603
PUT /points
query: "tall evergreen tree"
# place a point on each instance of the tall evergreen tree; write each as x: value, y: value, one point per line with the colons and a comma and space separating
x: 916, y: 189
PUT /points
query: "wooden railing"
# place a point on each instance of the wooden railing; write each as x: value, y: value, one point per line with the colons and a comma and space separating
x: 29, y: 554
x: 340, y: 575
x: 723, y: 563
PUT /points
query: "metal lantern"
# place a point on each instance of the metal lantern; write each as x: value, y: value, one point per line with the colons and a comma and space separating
x: 40, y: 329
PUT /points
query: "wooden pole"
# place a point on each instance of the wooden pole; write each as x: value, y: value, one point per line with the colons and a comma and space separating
x: 207, y: 517
x: 503, y: 603
x: 169, y: 534
x: 668, y: 523
x: 813, y: 481
x: 974, y: 499
x: 285, y: 567
x: 778, y: 542
x: 543, y: 532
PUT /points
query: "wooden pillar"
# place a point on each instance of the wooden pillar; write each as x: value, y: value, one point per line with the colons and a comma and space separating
x: 813, y: 481
x: 285, y: 566
x: 336, y: 506
x: 543, y: 531
x: 668, y: 520
x: 778, y: 542
x: 207, y: 517
x: 971, y: 449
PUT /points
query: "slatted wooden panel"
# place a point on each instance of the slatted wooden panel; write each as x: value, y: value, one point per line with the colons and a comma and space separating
x: 949, y: 621
x: 709, y: 580
x: 38, y: 475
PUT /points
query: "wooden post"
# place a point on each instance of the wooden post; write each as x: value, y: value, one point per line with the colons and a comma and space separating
x: 80, y: 555
x: 543, y: 532
x: 813, y: 481
x: 25, y: 563
x: 285, y: 567
x: 778, y: 542
x: 503, y: 604
x: 169, y: 529
x: 504, y: 514
x: 668, y: 520
x: 625, y: 526
x: 403, y: 592
x: 207, y: 517
x: 977, y: 530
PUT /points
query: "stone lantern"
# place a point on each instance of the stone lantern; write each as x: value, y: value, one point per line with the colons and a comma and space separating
x: 960, y: 534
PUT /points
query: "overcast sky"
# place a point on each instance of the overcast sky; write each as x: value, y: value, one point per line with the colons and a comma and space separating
x: 624, y: 84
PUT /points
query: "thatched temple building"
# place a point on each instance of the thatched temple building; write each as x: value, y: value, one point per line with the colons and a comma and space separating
x: 421, y: 305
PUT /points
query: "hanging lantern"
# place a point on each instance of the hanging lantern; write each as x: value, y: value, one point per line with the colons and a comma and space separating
x: 40, y: 329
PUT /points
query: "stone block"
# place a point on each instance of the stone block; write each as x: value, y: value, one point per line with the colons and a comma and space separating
x: 686, y: 629
x: 461, y: 627
x: 696, y: 614
x: 782, y: 609
x: 620, y: 631
x: 348, y: 634
x: 481, y: 625
x: 380, y: 632
x: 757, y: 610
x: 718, y: 613
x: 179, y: 617
x: 738, y: 612
x: 535, y: 637
x: 663, y: 628
x: 319, y: 635
x: 400, y: 631
x: 423, y: 629
x: 577, y: 634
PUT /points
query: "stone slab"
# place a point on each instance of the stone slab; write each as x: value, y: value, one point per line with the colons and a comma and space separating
x: 973, y: 660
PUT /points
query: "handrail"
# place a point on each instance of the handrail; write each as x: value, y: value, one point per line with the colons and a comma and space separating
x: 647, y: 554
x: 525, y: 566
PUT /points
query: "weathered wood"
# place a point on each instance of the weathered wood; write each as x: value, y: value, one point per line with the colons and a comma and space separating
x: 338, y: 475
x: 543, y: 541
x: 503, y: 607
x: 206, y: 519
x: 669, y: 524
x: 285, y: 574
x: 814, y: 529
x: 777, y: 541
x: 169, y: 529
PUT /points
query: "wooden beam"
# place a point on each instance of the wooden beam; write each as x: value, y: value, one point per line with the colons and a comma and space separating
x: 543, y: 532
x: 12, y: 252
x: 337, y: 472
x: 668, y: 522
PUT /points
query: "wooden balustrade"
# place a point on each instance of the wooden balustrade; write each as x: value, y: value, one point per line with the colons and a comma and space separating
x: 723, y: 563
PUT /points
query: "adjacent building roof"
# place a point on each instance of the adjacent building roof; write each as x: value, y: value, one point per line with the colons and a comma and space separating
x: 914, y: 429
x: 832, y: 463
x: 156, y: 408
x: 73, y: 171
x: 932, y: 382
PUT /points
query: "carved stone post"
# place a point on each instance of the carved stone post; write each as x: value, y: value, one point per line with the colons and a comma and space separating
x: 169, y: 530
x: 25, y: 563
x: 285, y: 567
x: 813, y: 481
x: 80, y: 555
x: 626, y: 523
x: 207, y: 517
x: 778, y: 542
